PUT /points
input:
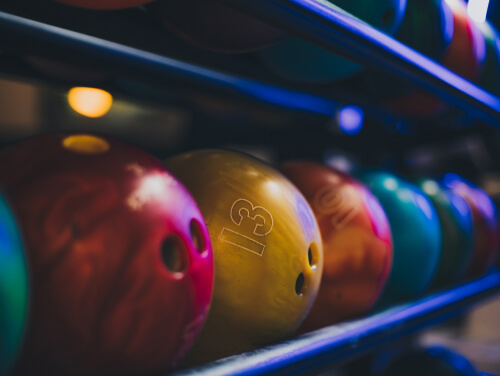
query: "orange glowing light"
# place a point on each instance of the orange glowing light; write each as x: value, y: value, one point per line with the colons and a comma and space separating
x: 89, y: 101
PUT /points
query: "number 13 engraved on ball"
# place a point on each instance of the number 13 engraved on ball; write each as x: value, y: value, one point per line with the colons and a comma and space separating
x: 253, y: 222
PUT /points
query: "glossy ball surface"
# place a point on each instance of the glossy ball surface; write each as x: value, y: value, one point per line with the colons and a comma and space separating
x: 433, y: 361
x: 464, y: 55
x: 416, y: 233
x: 120, y: 258
x: 357, y: 242
x: 467, y: 49
x: 212, y: 25
x: 485, y: 218
x: 489, y: 77
x: 267, y: 250
x: 300, y: 61
x: 456, y: 221
x: 13, y: 289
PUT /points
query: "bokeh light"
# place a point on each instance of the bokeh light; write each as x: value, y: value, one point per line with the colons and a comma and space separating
x: 90, y: 102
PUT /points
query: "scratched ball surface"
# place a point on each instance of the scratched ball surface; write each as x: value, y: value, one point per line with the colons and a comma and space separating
x: 485, y: 223
x: 13, y: 289
x: 416, y: 234
x: 456, y: 221
x: 120, y: 258
x: 357, y: 242
x: 104, y: 4
x: 212, y: 25
x: 267, y: 250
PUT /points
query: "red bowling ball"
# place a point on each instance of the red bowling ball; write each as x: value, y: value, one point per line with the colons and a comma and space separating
x: 211, y: 25
x: 357, y: 242
x: 120, y: 257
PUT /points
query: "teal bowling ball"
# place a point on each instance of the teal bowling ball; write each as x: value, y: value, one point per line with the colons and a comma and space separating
x: 457, y: 224
x: 13, y: 289
x: 297, y: 60
x: 416, y: 235
x: 433, y: 361
x: 427, y: 27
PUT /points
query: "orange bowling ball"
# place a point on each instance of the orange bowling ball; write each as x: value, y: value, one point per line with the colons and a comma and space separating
x: 357, y: 242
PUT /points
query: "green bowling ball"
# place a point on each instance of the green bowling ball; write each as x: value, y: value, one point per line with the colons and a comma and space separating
x: 489, y: 77
x: 300, y: 61
x: 427, y: 27
x: 416, y: 235
x: 456, y: 221
x: 13, y: 289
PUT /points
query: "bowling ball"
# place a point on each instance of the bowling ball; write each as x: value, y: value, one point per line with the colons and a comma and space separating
x: 489, y: 77
x: 120, y: 258
x: 267, y: 250
x: 467, y: 49
x: 433, y: 361
x: 300, y: 61
x: 485, y: 219
x: 464, y: 55
x: 427, y: 27
x: 357, y: 242
x: 104, y: 4
x: 455, y: 217
x: 416, y: 234
x: 211, y: 25
x: 13, y: 289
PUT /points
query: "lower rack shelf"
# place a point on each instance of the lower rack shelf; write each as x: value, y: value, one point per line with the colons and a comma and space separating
x: 331, y: 346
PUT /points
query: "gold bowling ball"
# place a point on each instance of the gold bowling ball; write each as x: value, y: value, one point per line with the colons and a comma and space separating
x: 267, y: 251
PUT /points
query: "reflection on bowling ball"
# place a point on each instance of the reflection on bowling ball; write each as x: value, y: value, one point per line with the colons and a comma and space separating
x: 212, y: 25
x: 357, y: 242
x: 104, y: 4
x: 13, y: 289
x: 300, y: 61
x: 120, y: 258
x: 485, y: 218
x: 416, y: 234
x: 433, y: 361
x: 455, y: 217
x: 267, y: 250
x: 464, y: 54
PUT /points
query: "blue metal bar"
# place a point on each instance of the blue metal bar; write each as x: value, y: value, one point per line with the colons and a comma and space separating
x: 157, y: 67
x: 324, y: 24
x: 331, y: 346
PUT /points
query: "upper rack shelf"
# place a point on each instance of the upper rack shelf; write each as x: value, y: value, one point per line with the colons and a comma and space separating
x: 317, y: 21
